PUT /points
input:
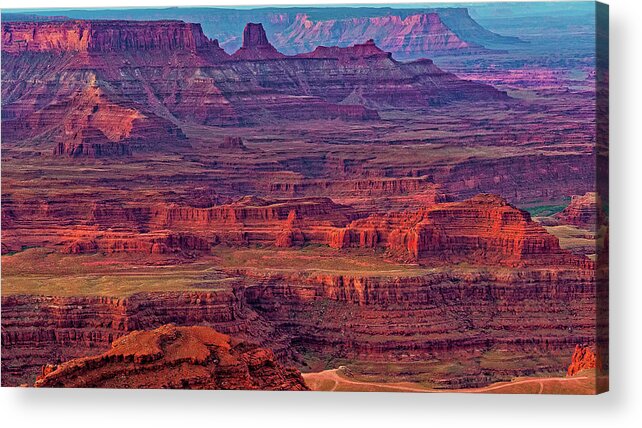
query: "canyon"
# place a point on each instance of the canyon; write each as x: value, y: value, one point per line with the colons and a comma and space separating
x: 203, y: 205
x: 484, y: 230
x: 490, y: 325
x: 404, y: 37
x: 102, y: 72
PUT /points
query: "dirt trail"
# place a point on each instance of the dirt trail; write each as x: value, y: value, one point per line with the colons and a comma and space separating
x: 334, y: 376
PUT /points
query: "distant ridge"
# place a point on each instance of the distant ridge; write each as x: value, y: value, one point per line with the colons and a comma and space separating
x: 105, y: 36
x: 444, y: 30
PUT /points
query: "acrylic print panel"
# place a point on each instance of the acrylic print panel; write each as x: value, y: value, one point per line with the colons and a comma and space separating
x: 402, y: 198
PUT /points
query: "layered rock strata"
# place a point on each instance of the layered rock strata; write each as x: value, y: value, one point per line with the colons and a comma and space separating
x: 105, y: 36
x: 37, y: 330
x: 256, y: 45
x: 534, y: 321
x: 412, y: 33
x: 121, y: 70
x: 584, y: 211
x: 537, y: 316
x: 409, y: 36
x: 175, y: 357
x: 484, y: 230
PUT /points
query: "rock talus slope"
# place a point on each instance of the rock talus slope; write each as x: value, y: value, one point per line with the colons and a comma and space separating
x: 333, y: 205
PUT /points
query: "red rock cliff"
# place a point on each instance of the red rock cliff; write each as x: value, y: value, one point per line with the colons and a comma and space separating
x: 583, y: 359
x: 358, y: 51
x: 333, y: 315
x: 37, y: 330
x: 131, y: 62
x: 256, y: 45
x: 104, y: 36
x: 417, y: 34
x: 443, y: 316
x: 484, y: 229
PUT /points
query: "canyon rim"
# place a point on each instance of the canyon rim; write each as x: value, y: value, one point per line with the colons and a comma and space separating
x: 399, y: 198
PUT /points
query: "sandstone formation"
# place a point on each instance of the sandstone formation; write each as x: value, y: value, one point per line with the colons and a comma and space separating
x: 359, y: 317
x: 583, y: 358
x: 483, y: 230
x: 45, y: 329
x: 329, y: 204
x: 96, y: 127
x: 407, y: 33
x: 520, y: 178
x: 411, y: 321
x: 256, y: 45
x: 296, y: 312
x: 414, y: 84
x: 106, y: 36
x: 414, y: 35
x: 584, y: 211
x: 175, y: 357
x: 90, y: 122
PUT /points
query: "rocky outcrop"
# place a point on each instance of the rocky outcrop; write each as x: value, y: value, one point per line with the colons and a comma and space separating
x: 584, y: 211
x: 95, y: 127
x: 92, y: 123
x: 371, y: 195
x: 146, y: 243
x: 256, y: 45
x: 37, y: 330
x: 295, y: 30
x: 467, y: 288
x: 416, y: 84
x: 405, y: 37
x: 175, y: 357
x: 484, y: 230
x: 539, y: 178
x: 458, y: 320
x: 252, y: 210
x: 103, y: 36
x: 113, y: 227
x: 458, y: 315
x: 351, y: 53
x: 381, y: 290
x: 584, y: 358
